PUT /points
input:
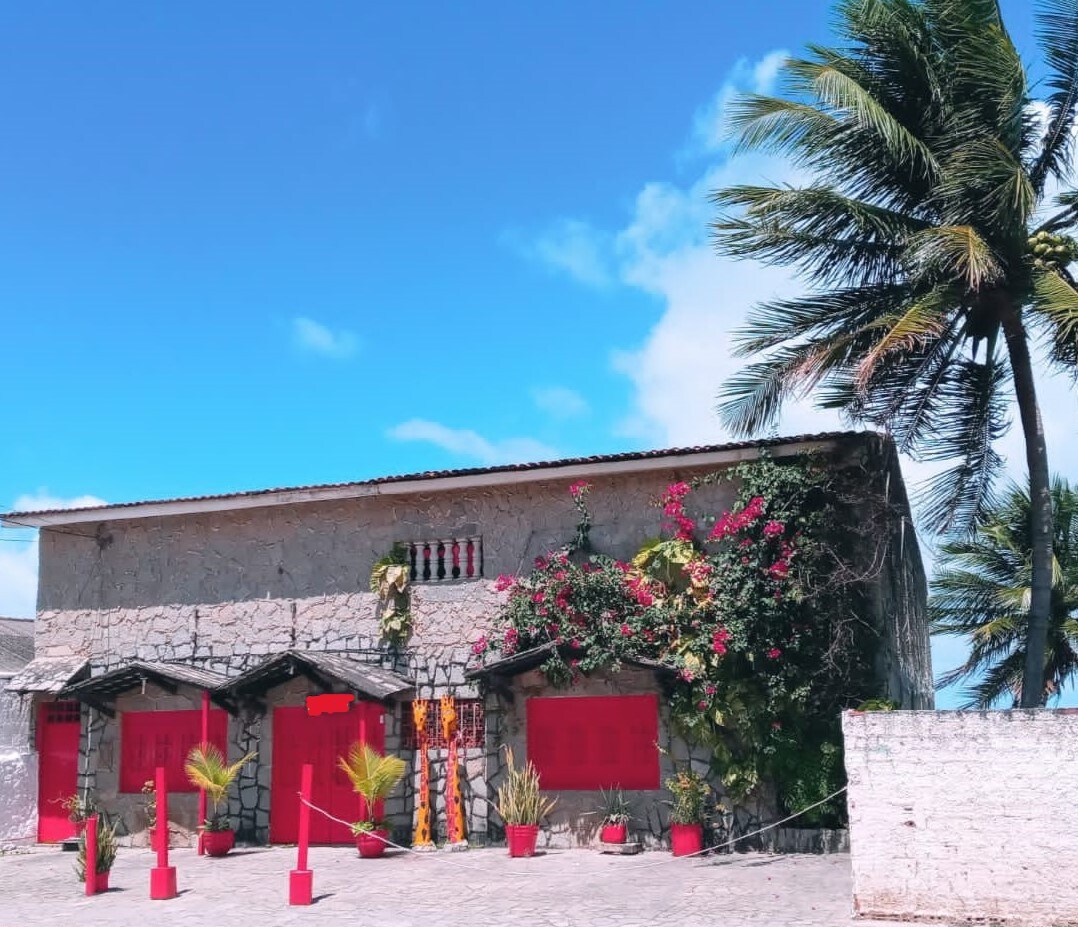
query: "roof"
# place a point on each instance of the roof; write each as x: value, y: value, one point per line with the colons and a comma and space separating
x: 16, y: 645
x: 368, y: 679
x: 535, y: 657
x: 48, y: 674
x: 564, y: 468
x: 133, y: 673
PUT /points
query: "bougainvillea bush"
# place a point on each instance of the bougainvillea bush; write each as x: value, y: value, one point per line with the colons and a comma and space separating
x: 755, y: 610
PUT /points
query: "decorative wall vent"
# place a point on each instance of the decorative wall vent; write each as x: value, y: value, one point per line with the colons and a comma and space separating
x: 446, y: 559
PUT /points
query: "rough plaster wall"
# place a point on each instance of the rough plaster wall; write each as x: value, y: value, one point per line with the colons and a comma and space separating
x: 964, y: 814
x: 18, y: 771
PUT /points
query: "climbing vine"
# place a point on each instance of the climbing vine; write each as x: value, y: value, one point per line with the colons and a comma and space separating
x: 390, y: 581
x: 754, y: 609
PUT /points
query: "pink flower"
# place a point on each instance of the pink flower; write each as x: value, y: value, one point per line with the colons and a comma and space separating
x: 626, y: 631
x: 540, y: 563
x: 779, y: 569
x: 538, y: 597
x: 773, y: 529
x: 774, y: 653
x: 480, y: 646
x: 578, y: 488
x: 503, y: 582
x: 574, y: 663
x: 688, y: 675
x: 678, y: 490
x: 719, y: 639
x: 776, y: 725
x: 701, y: 705
x: 710, y: 690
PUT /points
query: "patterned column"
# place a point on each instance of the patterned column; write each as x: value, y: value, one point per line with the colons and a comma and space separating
x: 454, y: 803
x: 421, y: 839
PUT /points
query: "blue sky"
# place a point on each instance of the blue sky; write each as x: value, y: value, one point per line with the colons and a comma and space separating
x: 250, y: 245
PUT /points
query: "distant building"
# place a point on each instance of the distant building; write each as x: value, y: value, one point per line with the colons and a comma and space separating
x: 256, y: 600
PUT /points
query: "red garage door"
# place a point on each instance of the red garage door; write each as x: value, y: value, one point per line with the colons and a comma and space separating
x: 299, y: 738
x: 595, y: 742
x: 58, y: 768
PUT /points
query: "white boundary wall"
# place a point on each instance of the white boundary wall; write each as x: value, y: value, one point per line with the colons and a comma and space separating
x: 18, y: 772
x: 964, y: 815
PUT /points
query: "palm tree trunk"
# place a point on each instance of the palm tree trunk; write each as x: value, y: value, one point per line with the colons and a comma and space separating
x: 1040, y: 497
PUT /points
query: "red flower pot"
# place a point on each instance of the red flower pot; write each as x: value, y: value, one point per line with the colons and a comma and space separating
x: 371, y: 843
x: 218, y: 842
x: 521, y: 839
x: 686, y: 839
x: 101, y: 881
x: 613, y: 833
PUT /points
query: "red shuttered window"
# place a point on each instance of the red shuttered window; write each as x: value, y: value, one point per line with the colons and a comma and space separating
x: 595, y: 742
x: 149, y: 739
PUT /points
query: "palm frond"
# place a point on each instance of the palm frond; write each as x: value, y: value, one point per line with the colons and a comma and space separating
x: 1058, y: 36
x: 955, y: 252
x: 1055, y: 302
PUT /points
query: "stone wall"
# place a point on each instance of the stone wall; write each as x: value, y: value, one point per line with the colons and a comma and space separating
x: 964, y: 815
x: 18, y: 771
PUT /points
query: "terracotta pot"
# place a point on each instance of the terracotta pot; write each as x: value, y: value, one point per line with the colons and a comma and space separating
x: 371, y: 843
x: 686, y: 839
x: 101, y: 882
x: 613, y: 833
x: 521, y: 839
x: 218, y: 842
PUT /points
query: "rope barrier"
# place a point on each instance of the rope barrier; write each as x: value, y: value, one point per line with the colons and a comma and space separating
x: 662, y: 862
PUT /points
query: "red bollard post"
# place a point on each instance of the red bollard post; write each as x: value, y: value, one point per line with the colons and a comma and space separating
x: 202, y: 792
x: 301, y: 879
x: 162, y: 876
x: 90, y: 834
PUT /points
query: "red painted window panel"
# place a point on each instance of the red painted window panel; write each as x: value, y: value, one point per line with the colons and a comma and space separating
x: 595, y: 742
x: 149, y: 739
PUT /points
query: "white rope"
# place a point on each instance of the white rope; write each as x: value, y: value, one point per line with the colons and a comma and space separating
x: 662, y: 862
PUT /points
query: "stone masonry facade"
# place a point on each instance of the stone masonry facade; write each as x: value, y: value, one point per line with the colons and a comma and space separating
x: 964, y: 815
x: 222, y: 590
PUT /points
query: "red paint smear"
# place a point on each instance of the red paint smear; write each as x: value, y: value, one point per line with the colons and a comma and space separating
x: 330, y: 704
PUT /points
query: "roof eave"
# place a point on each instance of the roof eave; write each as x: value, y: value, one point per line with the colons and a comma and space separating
x: 553, y: 471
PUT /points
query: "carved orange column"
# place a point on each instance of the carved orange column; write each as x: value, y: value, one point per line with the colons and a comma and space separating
x: 422, y: 838
x: 454, y: 803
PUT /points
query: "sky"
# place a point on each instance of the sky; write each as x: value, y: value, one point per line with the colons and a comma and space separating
x: 253, y: 245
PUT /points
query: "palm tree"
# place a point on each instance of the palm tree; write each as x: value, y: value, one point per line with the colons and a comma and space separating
x: 929, y: 269
x: 982, y: 592
x: 207, y: 769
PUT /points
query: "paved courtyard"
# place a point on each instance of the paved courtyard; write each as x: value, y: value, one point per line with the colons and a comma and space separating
x: 480, y: 887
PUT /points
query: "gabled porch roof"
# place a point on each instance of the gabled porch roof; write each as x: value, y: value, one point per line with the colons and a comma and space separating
x: 323, y: 669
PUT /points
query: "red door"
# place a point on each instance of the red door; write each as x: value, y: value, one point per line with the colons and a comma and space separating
x: 58, y: 768
x: 299, y: 738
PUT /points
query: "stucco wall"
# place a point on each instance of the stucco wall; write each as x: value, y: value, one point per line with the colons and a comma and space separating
x: 18, y: 771
x: 964, y: 814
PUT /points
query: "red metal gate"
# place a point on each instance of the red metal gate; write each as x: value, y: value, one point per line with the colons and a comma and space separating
x: 299, y: 738
x: 58, y: 768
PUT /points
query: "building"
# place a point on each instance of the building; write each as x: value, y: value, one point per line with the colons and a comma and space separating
x: 17, y: 761
x: 255, y: 600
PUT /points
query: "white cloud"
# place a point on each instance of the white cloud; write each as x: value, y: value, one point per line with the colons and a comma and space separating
x: 18, y: 578
x: 709, y: 130
x: 18, y: 559
x: 317, y: 338
x: 467, y: 443
x: 559, y: 401
x: 572, y: 247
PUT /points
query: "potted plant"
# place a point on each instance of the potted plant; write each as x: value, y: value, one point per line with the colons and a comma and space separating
x: 615, y: 816
x: 373, y: 776
x: 207, y: 769
x: 522, y: 806
x: 78, y: 810
x: 687, y: 812
x: 106, y: 854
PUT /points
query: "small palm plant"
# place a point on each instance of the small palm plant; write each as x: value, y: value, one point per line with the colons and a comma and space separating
x: 207, y: 769
x: 373, y: 776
